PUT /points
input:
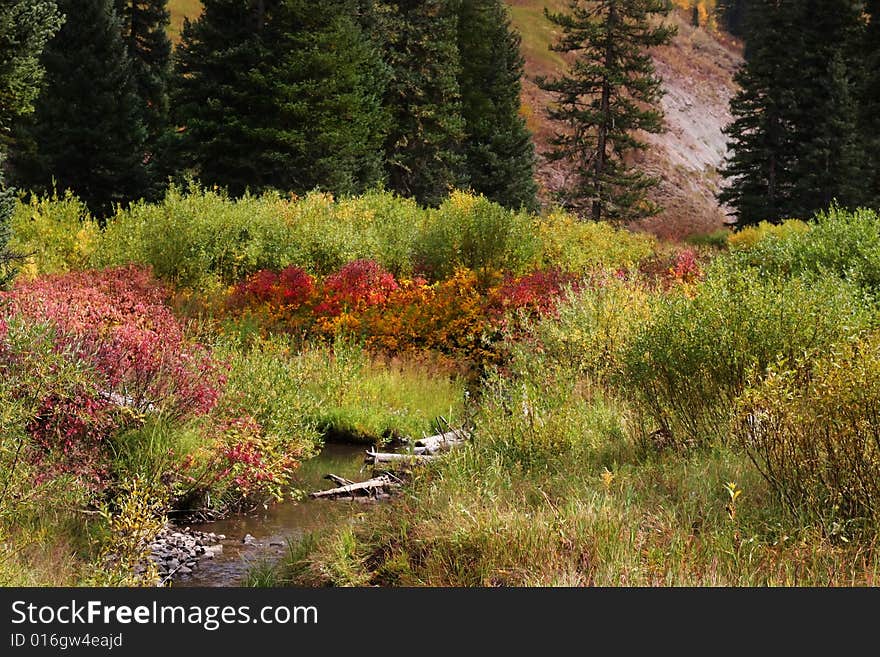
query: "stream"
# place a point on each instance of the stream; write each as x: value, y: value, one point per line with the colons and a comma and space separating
x: 280, y: 524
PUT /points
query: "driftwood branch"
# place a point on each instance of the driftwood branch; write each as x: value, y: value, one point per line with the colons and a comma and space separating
x: 370, y: 487
x: 339, y: 481
x: 391, y: 457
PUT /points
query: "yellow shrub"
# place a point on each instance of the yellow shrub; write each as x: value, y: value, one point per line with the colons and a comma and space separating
x: 813, y: 432
x: 593, y: 326
x: 55, y: 234
x: 747, y: 238
x: 580, y: 246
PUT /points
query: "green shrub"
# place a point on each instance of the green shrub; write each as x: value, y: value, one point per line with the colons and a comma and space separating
x: 813, y: 429
x: 845, y: 243
x: 54, y: 234
x: 592, y: 327
x: 472, y: 232
x: 327, y: 234
x: 198, y: 238
x: 690, y: 363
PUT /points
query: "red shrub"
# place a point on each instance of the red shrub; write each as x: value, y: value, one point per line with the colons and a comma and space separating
x: 117, y: 322
x: 537, y: 293
x: 358, y: 285
x: 291, y: 287
x: 686, y: 269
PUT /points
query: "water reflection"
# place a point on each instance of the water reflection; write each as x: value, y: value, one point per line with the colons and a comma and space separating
x: 274, y: 527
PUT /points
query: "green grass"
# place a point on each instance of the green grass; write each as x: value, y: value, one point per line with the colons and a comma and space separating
x: 537, y: 33
x: 362, y: 399
x: 339, y: 391
x: 604, y: 512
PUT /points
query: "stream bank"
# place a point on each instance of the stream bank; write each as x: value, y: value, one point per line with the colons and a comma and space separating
x: 265, y: 535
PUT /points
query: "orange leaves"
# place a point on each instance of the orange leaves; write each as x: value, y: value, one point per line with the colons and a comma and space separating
x: 459, y: 316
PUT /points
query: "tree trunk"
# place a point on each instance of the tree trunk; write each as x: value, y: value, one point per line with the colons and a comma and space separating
x: 602, y: 146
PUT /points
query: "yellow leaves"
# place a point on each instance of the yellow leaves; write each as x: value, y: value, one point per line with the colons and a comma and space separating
x: 607, y: 479
x: 733, y: 494
x: 747, y: 238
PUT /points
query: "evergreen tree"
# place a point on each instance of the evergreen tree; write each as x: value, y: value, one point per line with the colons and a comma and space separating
x: 424, y: 148
x: 272, y: 94
x: 870, y: 102
x: 795, y: 139
x: 609, y: 92
x: 145, y: 31
x: 25, y: 27
x: 761, y: 140
x: 732, y: 13
x: 499, y: 153
x: 86, y: 133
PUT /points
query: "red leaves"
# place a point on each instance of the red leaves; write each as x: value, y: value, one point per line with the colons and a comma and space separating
x: 537, y: 292
x: 126, y: 352
x: 358, y: 285
x: 291, y: 287
x: 117, y: 321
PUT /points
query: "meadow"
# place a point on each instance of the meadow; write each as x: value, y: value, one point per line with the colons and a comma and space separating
x: 642, y: 412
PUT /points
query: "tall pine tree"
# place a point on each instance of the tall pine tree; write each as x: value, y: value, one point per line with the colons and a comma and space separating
x: 145, y: 31
x: 272, y: 94
x: 609, y: 92
x: 795, y: 143
x: 87, y: 132
x: 498, y: 149
x: 25, y: 27
x: 870, y: 101
x: 424, y: 148
x: 761, y: 140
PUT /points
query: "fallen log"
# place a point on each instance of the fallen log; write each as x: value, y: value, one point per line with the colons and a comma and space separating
x: 389, y: 457
x: 371, y: 487
x: 439, y: 443
x: 339, y: 481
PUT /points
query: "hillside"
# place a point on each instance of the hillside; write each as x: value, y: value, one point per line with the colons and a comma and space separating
x: 697, y: 69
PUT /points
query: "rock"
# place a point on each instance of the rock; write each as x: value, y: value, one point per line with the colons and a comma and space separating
x: 248, y: 540
x: 276, y: 543
x: 184, y: 570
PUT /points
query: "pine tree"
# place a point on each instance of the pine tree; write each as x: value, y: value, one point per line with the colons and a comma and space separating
x: 608, y: 93
x: 25, y: 27
x: 424, y: 148
x: 272, y: 94
x: 761, y: 140
x: 795, y: 140
x: 145, y: 31
x: 870, y: 102
x: 732, y: 13
x: 86, y: 133
x: 498, y: 151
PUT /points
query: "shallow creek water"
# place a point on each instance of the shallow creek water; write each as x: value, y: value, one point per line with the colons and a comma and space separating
x: 280, y: 524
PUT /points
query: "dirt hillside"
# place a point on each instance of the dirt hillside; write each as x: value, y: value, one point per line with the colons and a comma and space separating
x: 697, y: 71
